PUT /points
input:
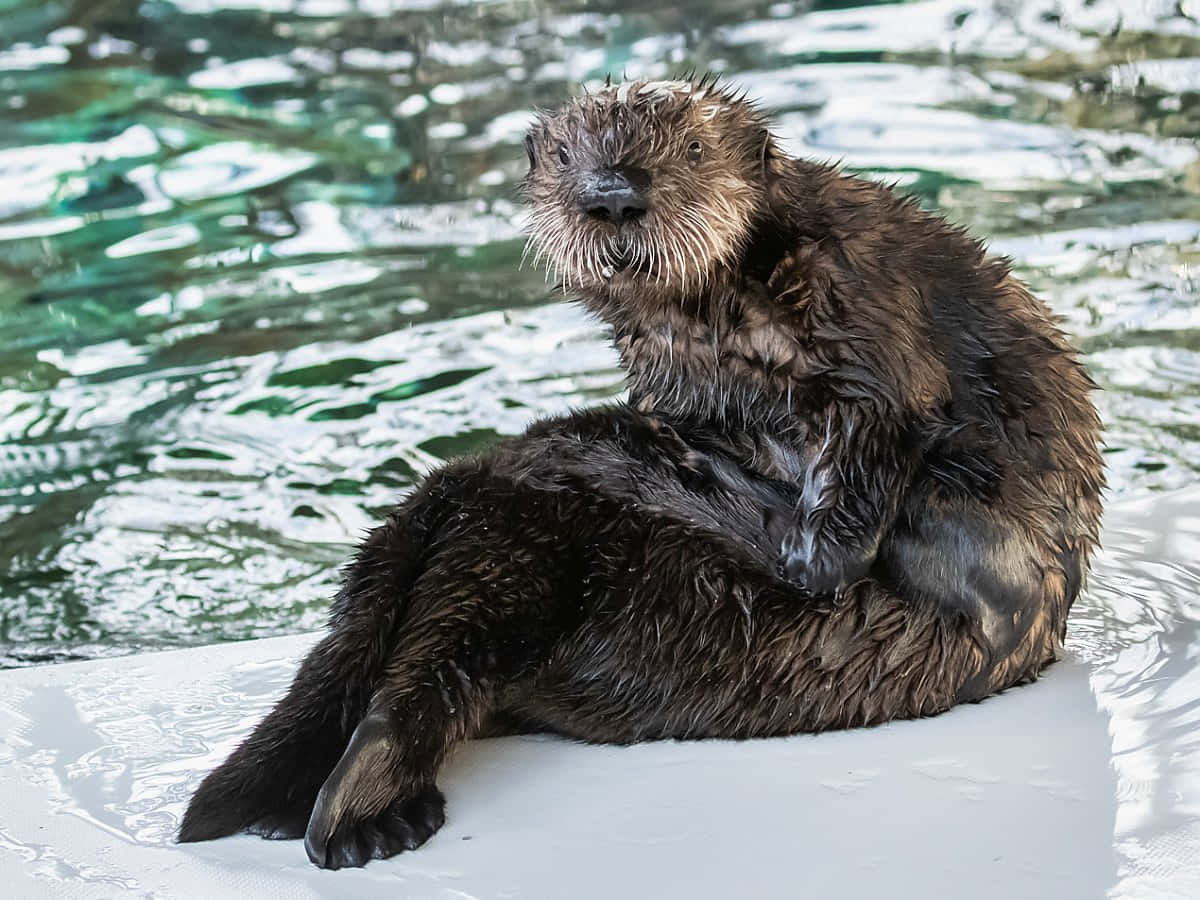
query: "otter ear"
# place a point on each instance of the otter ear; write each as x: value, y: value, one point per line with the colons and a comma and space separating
x: 774, y: 170
x: 531, y: 150
x: 768, y: 156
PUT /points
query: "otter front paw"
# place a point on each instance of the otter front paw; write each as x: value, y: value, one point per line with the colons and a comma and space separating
x: 821, y: 567
x: 405, y: 825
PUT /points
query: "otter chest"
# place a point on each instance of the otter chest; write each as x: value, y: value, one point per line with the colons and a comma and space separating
x: 753, y: 366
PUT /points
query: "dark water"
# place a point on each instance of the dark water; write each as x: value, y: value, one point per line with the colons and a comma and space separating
x: 259, y: 258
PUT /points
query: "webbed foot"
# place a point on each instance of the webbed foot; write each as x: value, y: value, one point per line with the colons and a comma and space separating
x: 405, y: 825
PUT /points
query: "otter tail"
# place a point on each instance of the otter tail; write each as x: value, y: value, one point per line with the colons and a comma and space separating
x: 269, y: 784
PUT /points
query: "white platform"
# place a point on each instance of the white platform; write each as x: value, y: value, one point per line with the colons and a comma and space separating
x: 1085, y: 784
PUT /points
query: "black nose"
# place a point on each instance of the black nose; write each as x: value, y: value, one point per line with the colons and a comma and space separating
x: 613, y: 198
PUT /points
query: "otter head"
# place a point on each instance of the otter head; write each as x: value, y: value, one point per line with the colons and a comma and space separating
x: 646, y: 187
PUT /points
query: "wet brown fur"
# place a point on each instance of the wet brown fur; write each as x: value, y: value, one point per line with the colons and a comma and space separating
x: 857, y: 479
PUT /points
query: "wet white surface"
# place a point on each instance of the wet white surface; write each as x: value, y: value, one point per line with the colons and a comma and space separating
x: 1084, y: 785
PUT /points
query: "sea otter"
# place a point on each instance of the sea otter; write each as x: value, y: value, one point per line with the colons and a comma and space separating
x: 856, y: 479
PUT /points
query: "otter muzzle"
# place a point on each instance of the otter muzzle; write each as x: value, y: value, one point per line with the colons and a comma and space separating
x: 614, y: 198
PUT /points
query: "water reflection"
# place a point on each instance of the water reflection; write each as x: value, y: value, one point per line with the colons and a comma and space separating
x: 1140, y: 628
x: 259, y: 258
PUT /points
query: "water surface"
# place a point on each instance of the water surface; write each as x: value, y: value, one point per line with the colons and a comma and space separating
x: 259, y: 258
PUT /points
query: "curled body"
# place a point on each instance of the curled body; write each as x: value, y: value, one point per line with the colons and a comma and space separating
x: 856, y: 479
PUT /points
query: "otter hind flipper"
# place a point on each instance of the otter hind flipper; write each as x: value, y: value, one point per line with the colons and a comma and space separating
x: 268, y: 784
x: 340, y: 832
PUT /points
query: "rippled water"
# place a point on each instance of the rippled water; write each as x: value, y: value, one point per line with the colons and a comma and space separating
x: 259, y: 258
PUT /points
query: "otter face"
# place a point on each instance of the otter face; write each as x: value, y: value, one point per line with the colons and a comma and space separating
x: 646, y: 184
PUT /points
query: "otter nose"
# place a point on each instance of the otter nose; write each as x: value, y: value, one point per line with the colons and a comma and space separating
x: 613, y: 198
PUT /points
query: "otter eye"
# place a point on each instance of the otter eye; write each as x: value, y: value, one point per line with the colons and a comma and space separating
x: 694, y: 151
x: 563, y: 156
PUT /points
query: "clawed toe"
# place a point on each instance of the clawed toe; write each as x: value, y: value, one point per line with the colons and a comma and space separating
x: 281, y: 826
x: 425, y: 813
